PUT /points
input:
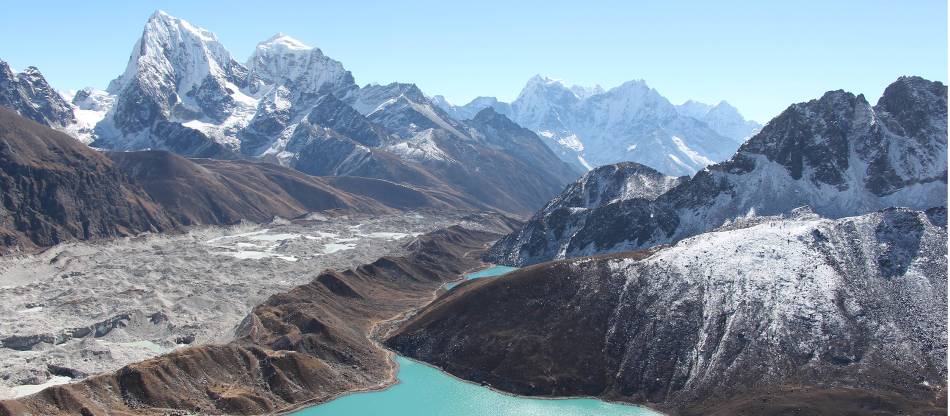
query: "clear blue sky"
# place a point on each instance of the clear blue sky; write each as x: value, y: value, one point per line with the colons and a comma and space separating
x: 758, y: 55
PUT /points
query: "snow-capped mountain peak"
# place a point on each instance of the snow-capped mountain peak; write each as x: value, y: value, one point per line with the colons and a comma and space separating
x: 723, y: 117
x: 174, y: 48
x: 633, y: 99
x: 837, y: 154
x: 588, y: 126
x: 31, y: 96
x: 305, y: 70
x: 177, y: 72
x: 583, y: 92
x: 539, y: 85
x: 284, y: 42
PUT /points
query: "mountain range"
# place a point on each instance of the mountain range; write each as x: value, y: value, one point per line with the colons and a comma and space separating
x: 807, y: 274
x: 292, y: 105
x: 838, y: 154
x: 700, y: 264
x: 589, y: 127
x: 57, y: 189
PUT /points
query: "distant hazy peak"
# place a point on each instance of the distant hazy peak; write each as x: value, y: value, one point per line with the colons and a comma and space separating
x: 284, y: 42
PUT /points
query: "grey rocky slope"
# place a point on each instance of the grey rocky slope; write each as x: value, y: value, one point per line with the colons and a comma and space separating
x: 82, y: 308
x: 589, y: 127
x: 837, y: 154
x: 290, y: 104
x: 299, y: 347
x: 28, y: 94
x: 802, y: 314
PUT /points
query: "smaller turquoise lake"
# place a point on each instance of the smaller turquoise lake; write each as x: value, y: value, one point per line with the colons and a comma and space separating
x: 489, y: 272
x: 423, y: 390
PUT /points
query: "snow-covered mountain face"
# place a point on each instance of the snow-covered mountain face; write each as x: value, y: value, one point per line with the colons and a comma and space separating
x: 838, y: 155
x: 31, y: 96
x: 177, y: 73
x: 723, y: 118
x: 610, y: 184
x: 306, y: 71
x: 590, y: 127
x: 468, y: 111
x: 857, y: 302
x: 289, y: 77
x: 182, y: 91
x: 90, y: 107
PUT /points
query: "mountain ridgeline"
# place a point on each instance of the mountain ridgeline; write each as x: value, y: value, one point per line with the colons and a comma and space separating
x: 589, y: 127
x: 837, y: 154
x: 761, y: 285
x: 292, y: 105
x: 701, y: 264
x: 57, y: 189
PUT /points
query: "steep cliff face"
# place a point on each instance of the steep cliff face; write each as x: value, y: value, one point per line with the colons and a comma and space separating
x: 29, y: 95
x: 177, y: 71
x: 838, y: 155
x: 56, y: 189
x: 850, y: 311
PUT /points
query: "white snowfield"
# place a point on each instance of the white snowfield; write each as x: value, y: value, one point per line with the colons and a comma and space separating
x: 140, y: 297
x: 805, y: 286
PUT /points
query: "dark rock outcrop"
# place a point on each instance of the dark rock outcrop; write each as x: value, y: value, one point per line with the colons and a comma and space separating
x: 55, y: 188
x: 28, y: 94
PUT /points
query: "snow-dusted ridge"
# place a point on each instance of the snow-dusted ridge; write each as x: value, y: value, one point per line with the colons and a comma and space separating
x: 848, y: 311
x: 838, y: 155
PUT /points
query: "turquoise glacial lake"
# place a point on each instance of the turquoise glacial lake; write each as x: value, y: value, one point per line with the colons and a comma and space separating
x: 427, y: 391
x: 489, y: 272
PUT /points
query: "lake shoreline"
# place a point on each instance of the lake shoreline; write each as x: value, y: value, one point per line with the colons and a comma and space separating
x: 376, y: 335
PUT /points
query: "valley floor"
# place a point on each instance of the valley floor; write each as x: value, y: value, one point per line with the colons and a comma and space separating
x: 88, y: 307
